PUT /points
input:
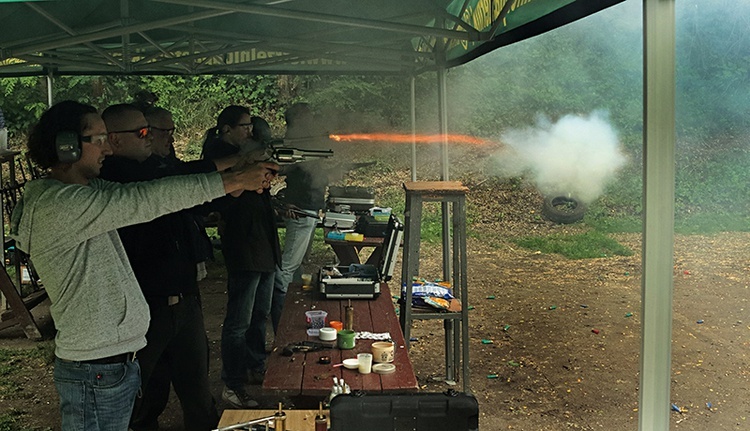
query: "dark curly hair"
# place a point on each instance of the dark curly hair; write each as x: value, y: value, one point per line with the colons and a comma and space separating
x: 64, y: 116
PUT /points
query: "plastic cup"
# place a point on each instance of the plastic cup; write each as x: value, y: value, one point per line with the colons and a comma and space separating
x: 365, y: 363
x: 316, y: 319
x: 306, y: 279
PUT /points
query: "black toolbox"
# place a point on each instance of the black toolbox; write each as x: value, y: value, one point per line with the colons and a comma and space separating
x: 362, y: 280
x: 367, y: 225
x: 446, y: 411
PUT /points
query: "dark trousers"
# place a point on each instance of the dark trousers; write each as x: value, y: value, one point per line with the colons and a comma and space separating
x: 243, y: 336
x: 176, y: 353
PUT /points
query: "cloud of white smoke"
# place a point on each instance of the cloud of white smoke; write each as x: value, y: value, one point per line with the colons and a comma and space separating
x: 576, y: 155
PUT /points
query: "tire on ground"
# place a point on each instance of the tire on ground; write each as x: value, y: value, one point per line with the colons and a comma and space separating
x: 563, y: 209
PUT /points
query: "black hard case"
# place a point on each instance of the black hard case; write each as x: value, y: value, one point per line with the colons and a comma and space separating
x: 447, y: 411
x: 368, y: 226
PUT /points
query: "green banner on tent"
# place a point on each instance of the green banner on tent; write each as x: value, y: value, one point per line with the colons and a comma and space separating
x: 489, y: 18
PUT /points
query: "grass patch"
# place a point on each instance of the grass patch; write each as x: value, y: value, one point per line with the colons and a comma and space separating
x: 587, y: 245
x: 13, y: 361
x: 621, y: 224
x: 692, y: 224
x: 11, y: 421
x: 711, y: 223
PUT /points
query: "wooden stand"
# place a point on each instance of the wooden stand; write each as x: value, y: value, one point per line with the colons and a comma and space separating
x: 456, y: 323
x: 15, y: 309
x: 18, y: 313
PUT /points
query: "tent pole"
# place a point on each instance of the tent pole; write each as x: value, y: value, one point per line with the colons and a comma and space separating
x: 443, y: 125
x: 414, y: 128
x: 50, y: 81
x: 658, y: 221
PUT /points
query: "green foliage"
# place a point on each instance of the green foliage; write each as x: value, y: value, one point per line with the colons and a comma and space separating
x: 561, y: 72
x: 590, y: 244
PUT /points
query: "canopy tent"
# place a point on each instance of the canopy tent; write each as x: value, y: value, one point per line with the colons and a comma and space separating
x: 97, y: 37
x: 69, y: 37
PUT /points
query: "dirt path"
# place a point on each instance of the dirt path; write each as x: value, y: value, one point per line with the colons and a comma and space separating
x: 553, y: 371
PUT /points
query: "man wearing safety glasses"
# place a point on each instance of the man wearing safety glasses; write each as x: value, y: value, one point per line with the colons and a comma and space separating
x: 129, y: 132
x: 163, y: 255
x: 67, y: 223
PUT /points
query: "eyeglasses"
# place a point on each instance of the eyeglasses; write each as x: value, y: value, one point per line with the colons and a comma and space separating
x: 141, y: 133
x: 248, y: 125
x: 95, y: 139
x: 170, y: 131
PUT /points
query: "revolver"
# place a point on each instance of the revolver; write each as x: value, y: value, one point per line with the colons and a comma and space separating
x: 305, y: 346
x: 286, y: 155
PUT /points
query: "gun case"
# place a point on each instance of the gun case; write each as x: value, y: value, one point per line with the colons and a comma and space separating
x: 358, y: 199
x: 362, y: 280
x: 446, y: 411
x: 368, y: 225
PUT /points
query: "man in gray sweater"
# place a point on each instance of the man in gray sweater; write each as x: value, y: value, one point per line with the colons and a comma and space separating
x: 67, y: 223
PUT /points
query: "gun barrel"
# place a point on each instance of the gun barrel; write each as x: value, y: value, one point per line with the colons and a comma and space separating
x: 292, y: 155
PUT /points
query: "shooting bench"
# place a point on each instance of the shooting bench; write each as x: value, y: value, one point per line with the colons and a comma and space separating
x: 306, y: 381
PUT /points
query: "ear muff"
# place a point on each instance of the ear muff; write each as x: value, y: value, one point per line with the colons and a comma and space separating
x: 68, y: 145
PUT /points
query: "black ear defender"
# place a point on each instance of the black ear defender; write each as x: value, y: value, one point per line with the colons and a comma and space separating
x: 68, y: 145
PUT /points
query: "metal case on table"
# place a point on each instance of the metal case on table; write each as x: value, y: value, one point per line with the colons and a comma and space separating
x: 358, y: 199
x: 362, y: 280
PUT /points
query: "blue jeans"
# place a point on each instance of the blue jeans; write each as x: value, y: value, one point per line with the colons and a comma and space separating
x: 243, y: 337
x: 96, y: 396
x: 299, y: 233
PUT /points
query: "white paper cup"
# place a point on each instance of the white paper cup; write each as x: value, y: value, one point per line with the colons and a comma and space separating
x: 365, y: 363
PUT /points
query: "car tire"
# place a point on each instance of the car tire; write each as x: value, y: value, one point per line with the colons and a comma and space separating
x: 563, y: 209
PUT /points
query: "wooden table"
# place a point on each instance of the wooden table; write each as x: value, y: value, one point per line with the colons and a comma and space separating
x: 347, y: 252
x: 307, y: 381
x: 296, y: 420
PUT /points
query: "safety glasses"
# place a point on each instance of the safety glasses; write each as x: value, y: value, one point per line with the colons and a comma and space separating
x: 95, y: 139
x: 141, y: 133
x: 169, y: 132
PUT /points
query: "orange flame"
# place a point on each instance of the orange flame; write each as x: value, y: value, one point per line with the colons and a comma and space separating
x: 408, y: 138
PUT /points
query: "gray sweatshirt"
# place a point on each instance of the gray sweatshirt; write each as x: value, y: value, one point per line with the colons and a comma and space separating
x: 69, y: 230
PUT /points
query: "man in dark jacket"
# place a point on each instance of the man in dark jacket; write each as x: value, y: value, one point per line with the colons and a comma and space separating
x: 163, y: 259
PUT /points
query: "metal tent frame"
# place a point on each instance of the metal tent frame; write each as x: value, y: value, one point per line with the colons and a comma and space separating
x: 404, y: 38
